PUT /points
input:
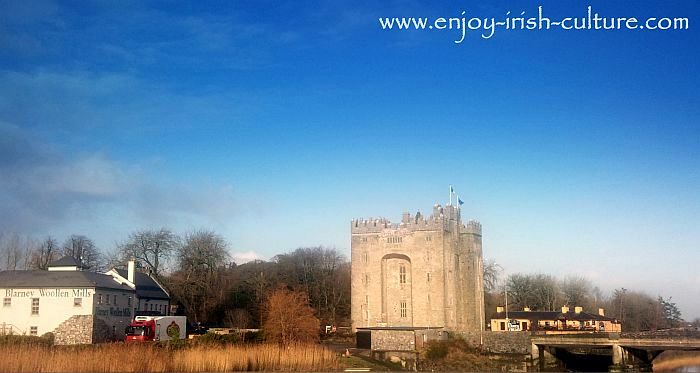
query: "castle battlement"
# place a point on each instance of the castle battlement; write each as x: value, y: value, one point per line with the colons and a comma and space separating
x: 439, y: 220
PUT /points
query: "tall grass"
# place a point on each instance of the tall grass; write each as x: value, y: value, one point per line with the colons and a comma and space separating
x: 151, y: 358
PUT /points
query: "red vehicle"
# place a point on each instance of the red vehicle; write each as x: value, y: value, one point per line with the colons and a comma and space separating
x: 156, y: 328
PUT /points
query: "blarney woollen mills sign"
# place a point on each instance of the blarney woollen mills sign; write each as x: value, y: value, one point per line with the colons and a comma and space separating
x: 48, y: 293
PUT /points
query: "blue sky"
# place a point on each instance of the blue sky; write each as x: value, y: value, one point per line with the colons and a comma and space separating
x: 276, y: 124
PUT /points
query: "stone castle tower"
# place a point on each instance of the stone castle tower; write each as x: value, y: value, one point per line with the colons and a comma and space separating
x: 422, y: 272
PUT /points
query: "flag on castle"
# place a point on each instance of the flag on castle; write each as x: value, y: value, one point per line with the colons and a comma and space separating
x: 460, y: 201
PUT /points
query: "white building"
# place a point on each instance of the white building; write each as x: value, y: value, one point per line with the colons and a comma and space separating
x: 77, y: 306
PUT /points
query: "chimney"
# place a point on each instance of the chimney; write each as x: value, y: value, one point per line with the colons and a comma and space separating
x: 499, y: 309
x: 130, y: 271
x: 564, y: 309
x: 601, y: 312
x: 526, y: 309
x: 578, y: 309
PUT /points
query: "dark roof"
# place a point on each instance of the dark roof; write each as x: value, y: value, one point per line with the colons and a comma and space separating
x: 67, y: 261
x: 146, y: 286
x: 38, y: 278
x: 551, y: 315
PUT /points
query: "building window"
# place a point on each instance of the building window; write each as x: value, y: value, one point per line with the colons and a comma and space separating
x: 115, y: 300
x: 394, y: 239
x: 128, y: 301
x: 366, y: 278
x: 402, y: 274
x: 428, y: 238
x: 77, y: 302
x: 7, y: 302
x: 428, y: 276
x: 365, y: 257
x: 33, y: 330
x: 99, y: 298
x: 107, y: 298
x: 35, y: 306
x: 403, y: 309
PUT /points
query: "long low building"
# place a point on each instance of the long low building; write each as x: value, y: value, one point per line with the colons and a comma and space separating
x: 76, y: 305
x: 567, y: 320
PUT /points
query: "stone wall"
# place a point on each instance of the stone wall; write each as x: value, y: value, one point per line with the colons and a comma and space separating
x: 78, y: 329
x: 400, y: 340
x: 500, y: 342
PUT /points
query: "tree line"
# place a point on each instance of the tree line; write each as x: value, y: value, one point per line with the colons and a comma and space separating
x: 200, y: 274
x: 210, y: 287
x: 636, y: 310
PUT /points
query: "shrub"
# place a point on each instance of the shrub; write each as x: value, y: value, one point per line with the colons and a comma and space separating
x: 26, y: 340
x: 215, y: 338
x: 437, y: 350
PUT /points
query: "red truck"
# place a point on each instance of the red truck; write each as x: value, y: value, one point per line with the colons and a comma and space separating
x: 156, y: 328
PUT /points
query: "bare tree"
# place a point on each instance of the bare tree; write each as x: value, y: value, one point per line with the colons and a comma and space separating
x: 289, y: 318
x: 491, y: 272
x: 520, y: 290
x: 238, y: 318
x: 576, y: 290
x: 45, y: 253
x: 151, y: 248
x: 11, y: 247
x: 199, y: 280
x: 545, y: 293
x: 84, y: 250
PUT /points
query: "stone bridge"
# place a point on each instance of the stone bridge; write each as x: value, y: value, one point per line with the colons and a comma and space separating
x: 625, y: 349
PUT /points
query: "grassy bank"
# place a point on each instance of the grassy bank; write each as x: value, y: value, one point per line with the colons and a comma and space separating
x: 150, y: 358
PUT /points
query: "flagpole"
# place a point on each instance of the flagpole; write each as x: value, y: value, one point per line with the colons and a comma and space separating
x: 450, y: 195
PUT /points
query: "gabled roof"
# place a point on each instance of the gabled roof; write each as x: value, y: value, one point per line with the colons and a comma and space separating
x: 551, y: 315
x: 64, y: 279
x: 146, y: 286
x: 67, y: 261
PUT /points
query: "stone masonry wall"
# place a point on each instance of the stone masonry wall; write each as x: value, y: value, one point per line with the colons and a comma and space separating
x: 75, y: 330
x: 402, y: 340
x: 500, y: 342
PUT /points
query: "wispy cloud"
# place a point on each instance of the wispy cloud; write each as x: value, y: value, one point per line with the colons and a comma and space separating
x: 43, y: 188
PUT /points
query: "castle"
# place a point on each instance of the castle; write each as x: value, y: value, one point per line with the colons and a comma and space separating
x: 420, y: 273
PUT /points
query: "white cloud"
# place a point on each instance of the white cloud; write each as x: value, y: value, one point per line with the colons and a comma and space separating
x: 244, y: 257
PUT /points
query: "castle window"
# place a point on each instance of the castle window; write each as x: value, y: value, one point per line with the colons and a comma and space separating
x: 365, y: 257
x: 428, y: 238
x: 402, y: 274
x: 366, y: 278
x: 403, y: 309
x: 33, y: 330
x: 428, y: 276
x: 7, y: 302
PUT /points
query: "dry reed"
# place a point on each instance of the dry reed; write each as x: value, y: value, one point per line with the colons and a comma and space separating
x: 676, y: 363
x: 151, y: 358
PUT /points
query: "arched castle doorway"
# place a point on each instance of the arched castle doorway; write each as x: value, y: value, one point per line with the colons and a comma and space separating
x: 397, y: 300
